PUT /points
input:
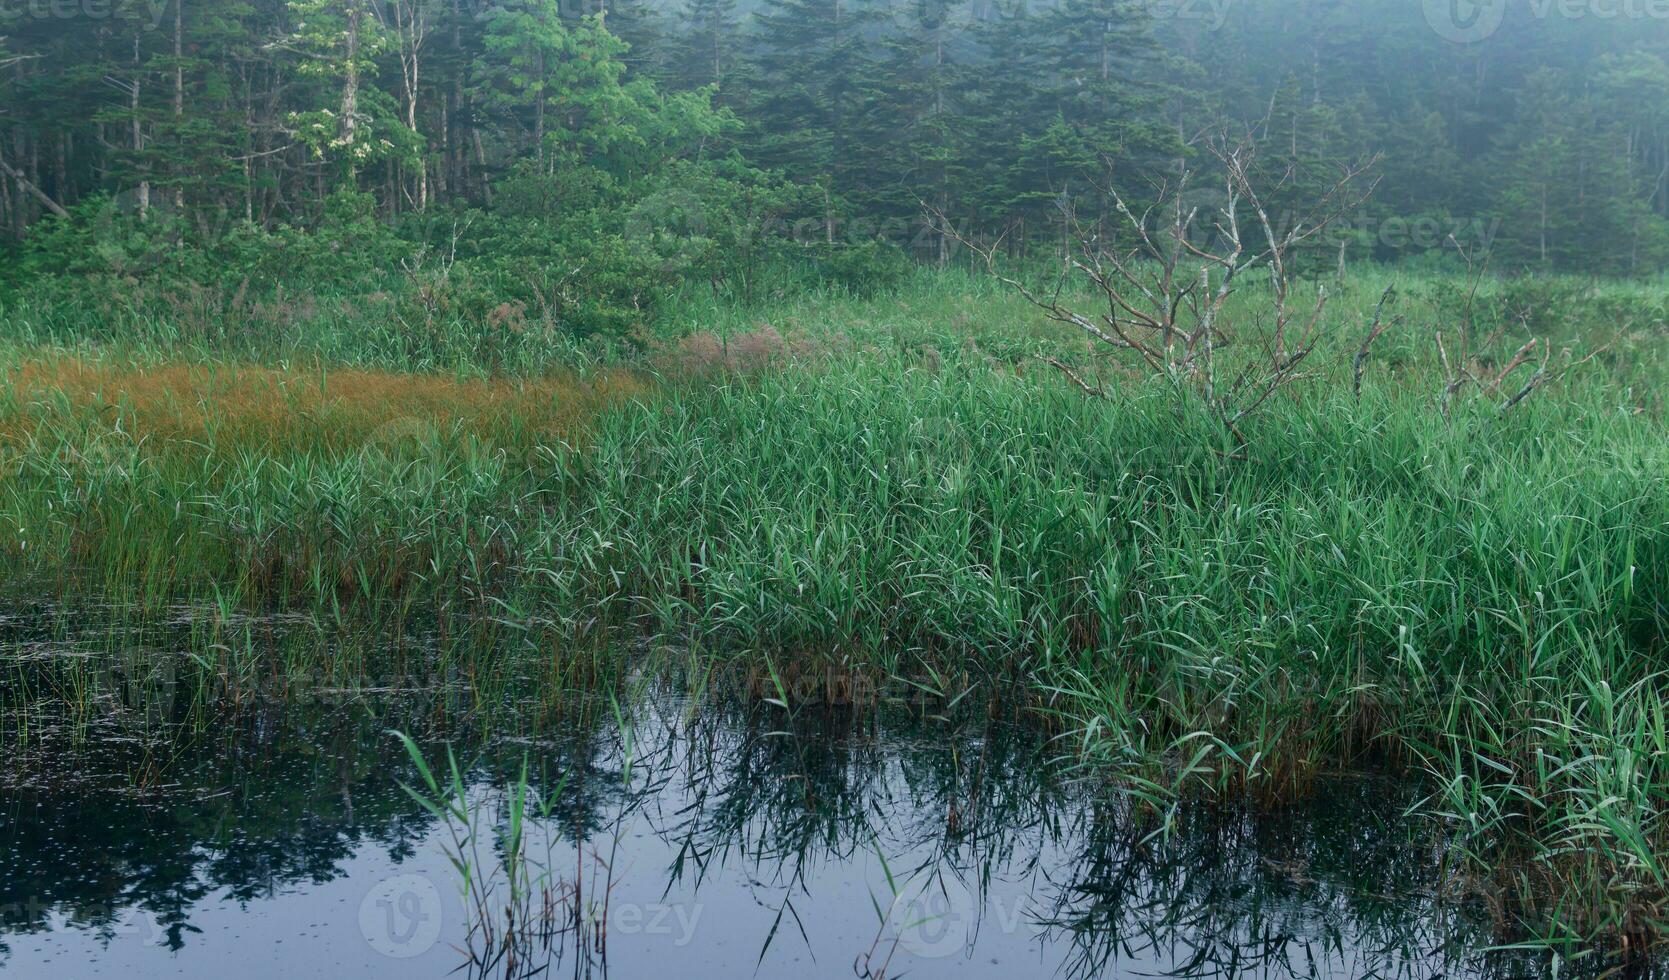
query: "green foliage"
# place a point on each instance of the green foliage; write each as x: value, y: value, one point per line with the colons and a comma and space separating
x: 863, y: 267
x: 899, y: 483
x: 184, y: 146
x: 1478, y: 596
x: 1553, y: 306
x: 615, y: 202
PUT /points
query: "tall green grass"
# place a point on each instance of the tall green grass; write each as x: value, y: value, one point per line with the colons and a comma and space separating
x: 1480, y: 600
x: 391, y: 328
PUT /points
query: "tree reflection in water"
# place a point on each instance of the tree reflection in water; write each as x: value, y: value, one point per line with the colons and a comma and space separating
x: 909, y: 842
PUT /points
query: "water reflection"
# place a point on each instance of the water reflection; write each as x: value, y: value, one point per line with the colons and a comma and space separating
x: 713, y: 838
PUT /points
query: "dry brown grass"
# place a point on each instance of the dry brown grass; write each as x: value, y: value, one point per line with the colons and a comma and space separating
x: 242, y: 407
x: 764, y: 347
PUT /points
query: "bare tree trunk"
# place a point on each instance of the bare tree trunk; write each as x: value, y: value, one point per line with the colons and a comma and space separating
x: 1542, y: 232
x: 411, y: 28
x: 481, y: 160
x: 138, y: 132
x: 179, y: 95
x: 443, y: 176
x: 61, y: 166
x: 25, y: 184
x: 348, y: 124
x: 457, y: 154
x: 8, y: 205
x: 718, y: 61
x: 539, y: 113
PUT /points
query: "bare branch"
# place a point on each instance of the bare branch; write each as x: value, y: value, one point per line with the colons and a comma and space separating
x: 38, y: 194
x: 1073, y: 376
x: 1535, y: 379
x: 1378, y: 327
x: 1165, y: 288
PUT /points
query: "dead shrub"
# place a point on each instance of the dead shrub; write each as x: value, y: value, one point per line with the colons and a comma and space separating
x: 759, y: 349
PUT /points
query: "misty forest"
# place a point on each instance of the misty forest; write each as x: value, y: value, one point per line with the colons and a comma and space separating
x: 924, y: 488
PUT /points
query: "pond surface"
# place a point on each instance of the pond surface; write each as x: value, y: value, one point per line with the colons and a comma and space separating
x: 669, y: 837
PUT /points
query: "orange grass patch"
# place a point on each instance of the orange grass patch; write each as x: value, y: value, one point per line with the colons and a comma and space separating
x: 221, y: 407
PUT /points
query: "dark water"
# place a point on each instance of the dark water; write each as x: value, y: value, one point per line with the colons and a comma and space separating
x: 272, y: 837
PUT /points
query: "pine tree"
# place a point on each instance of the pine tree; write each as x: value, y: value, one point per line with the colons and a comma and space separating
x: 1000, y: 110
x: 706, y: 51
x: 808, y: 73
x: 1558, y: 199
x: 1104, y: 63
x: 913, y: 127
x: 641, y: 24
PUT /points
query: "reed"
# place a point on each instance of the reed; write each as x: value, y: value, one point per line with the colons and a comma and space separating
x: 1479, y: 598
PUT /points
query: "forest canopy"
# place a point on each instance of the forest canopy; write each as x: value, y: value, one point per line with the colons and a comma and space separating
x: 624, y: 144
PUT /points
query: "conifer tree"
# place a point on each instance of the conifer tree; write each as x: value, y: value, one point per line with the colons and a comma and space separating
x: 809, y: 71
x: 705, y: 52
